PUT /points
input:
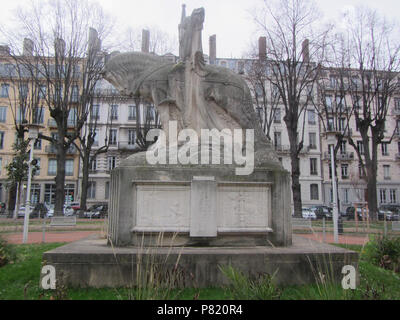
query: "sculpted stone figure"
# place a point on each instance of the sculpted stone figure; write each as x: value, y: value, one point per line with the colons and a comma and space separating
x: 196, y: 95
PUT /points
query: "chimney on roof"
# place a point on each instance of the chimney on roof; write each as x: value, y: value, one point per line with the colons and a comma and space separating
x: 262, y: 48
x: 59, y: 46
x: 145, y: 41
x: 306, y: 51
x: 213, y: 49
x: 27, y: 47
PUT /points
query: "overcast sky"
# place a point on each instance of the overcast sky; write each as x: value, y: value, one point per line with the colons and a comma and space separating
x: 228, y: 19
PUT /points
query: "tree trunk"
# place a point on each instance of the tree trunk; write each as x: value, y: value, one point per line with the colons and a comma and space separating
x: 60, y: 180
x: 296, y: 187
x: 372, y: 171
x: 295, y: 163
x: 85, y: 180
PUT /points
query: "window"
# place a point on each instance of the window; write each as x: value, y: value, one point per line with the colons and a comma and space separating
x: 69, y: 167
x: 313, y: 167
x: 107, y: 190
x: 314, y: 192
x: 23, y: 91
x: 346, y: 196
x: 382, y: 195
x: 328, y: 102
x: 75, y: 94
x: 345, y: 171
x: 277, y: 115
x: 1, y: 165
x: 38, y: 115
x: 339, y: 103
x: 4, y: 90
x: 343, y: 148
x: 360, y: 147
x: 96, y: 137
x: 52, y: 169
x: 1, y: 139
x: 330, y: 170
x: 42, y: 92
x: 342, y: 124
x: 311, y: 117
x: 112, y: 162
x: 93, y: 164
x: 151, y: 113
x: 132, y: 137
x: 38, y: 144
x: 3, y: 114
x: 331, y: 124
x: 114, y: 112
x: 392, y: 196
x: 72, y: 117
x: 95, y: 114
x: 91, y: 191
x: 113, y: 137
x: 132, y: 113
x: 385, y: 149
x: 37, y: 171
x: 277, y: 140
x: 313, y: 140
x: 333, y: 81
x: 386, y: 172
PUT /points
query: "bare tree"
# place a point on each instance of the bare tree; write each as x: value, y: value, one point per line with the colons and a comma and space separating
x: 62, y: 65
x: 266, y: 95
x: 294, y: 55
x: 374, y: 61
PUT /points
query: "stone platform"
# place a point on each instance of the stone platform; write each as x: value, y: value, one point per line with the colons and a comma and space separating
x: 92, y: 263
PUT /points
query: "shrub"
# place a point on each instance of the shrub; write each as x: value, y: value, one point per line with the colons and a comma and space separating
x: 7, y: 253
x: 383, y: 252
x: 244, y: 288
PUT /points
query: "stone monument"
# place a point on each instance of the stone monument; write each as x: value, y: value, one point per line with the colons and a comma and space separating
x: 196, y: 214
x: 213, y: 204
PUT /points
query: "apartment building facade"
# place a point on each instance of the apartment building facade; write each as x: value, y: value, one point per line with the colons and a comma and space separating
x: 43, y: 183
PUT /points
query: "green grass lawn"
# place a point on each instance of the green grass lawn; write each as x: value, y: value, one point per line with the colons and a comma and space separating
x: 20, y: 280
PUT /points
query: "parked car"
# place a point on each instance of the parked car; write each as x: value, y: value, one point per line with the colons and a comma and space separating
x: 40, y: 210
x: 68, y: 211
x: 308, y: 214
x: 21, y: 212
x: 75, y: 205
x: 97, y: 211
x: 350, y: 213
x: 391, y: 212
x: 322, y: 212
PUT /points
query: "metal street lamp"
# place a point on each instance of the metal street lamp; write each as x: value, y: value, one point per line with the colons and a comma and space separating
x: 32, y: 136
x: 332, y: 140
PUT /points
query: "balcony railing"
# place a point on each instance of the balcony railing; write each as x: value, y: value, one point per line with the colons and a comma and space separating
x: 126, y: 145
x: 53, y: 149
x: 286, y: 149
x: 70, y: 123
x: 345, y: 156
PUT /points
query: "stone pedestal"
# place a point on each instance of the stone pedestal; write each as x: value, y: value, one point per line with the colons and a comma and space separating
x: 204, y: 205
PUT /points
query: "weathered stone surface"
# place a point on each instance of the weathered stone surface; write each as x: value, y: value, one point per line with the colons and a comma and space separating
x: 91, y: 263
x: 235, y: 210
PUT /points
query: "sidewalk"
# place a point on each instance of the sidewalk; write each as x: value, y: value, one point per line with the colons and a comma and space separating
x: 360, y: 240
x: 37, y: 237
